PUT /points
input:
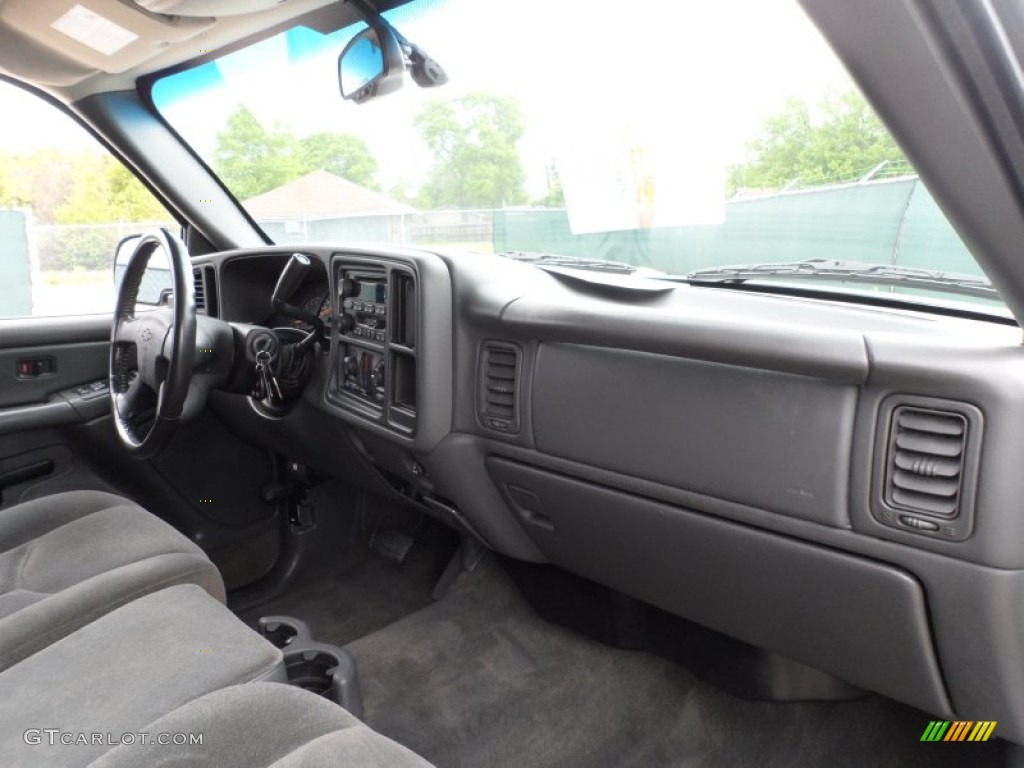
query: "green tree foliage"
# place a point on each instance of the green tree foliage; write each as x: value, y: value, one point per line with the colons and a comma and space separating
x: 251, y: 159
x: 342, y: 154
x: 839, y: 141
x: 476, y: 161
x: 105, y: 191
x: 82, y: 188
x: 40, y: 180
x: 75, y: 188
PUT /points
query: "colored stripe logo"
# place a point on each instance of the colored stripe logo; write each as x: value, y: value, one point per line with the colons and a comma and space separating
x: 958, y: 730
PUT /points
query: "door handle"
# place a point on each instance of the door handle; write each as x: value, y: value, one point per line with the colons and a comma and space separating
x: 34, y: 367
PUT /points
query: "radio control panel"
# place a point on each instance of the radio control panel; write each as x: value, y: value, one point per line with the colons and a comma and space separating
x: 364, y: 306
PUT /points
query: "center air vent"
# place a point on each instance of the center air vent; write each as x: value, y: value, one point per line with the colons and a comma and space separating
x: 499, y: 379
x: 929, y: 466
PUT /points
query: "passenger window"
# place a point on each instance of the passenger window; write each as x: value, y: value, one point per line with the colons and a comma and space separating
x: 65, y: 202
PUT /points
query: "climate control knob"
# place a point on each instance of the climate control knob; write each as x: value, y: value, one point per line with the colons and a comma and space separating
x: 377, y: 378
x: 350, y: 366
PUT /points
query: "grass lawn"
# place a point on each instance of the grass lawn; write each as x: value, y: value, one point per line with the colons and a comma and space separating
x: 102, y: 277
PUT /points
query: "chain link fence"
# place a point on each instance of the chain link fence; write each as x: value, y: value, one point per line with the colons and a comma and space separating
x: 83, y: 247
x: 472, y: 229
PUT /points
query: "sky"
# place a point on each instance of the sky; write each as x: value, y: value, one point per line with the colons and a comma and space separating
x: 36, y: 124
x: 696, y: 77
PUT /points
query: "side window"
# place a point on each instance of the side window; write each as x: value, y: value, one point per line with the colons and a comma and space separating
x: 65, y: 202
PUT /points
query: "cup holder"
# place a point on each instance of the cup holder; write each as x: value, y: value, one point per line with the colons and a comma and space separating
x: 284, y: 631
x: 311, y: 669
x: 321, y: 668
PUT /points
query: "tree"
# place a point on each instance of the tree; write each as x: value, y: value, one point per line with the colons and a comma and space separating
x: 840, y: 141
x: 403, y: 191
x: 342, y: 154
x: 476, y: 161
x: 40, y: 180
x: 105, y: 191
x: 250, y: 159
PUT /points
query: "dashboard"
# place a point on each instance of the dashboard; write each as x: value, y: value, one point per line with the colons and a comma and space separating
x: 834, y: 482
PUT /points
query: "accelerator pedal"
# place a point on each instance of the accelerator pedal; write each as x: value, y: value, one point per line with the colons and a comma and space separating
x: 391, y: 545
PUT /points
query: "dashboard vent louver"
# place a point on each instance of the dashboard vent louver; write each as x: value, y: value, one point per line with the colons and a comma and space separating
x: 204, y: 279
x: 926, y: 461
x: 200, y: 290
x: 499, y: 378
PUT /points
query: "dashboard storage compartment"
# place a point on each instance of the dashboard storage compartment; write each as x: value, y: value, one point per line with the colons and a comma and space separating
x: 766, y: 439
x: 862, y: 621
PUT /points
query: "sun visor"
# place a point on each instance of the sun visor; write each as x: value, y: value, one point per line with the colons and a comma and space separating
x: 207, y: 8
x: 113, y: 40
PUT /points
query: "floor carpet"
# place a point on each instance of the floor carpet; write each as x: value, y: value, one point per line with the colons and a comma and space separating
x: 365, y: 591
x: 477, y: 679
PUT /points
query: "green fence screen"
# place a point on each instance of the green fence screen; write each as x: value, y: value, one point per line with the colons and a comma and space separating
x: 15, y: 265
x: 889, y: 222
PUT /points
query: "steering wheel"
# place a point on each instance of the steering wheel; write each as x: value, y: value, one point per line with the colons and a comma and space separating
x: 152, y: 353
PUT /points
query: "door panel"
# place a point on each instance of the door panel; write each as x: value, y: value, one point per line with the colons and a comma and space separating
x: 39, y: 331
x: 31, y: 374
x: 39, y: 357
x: 54, y: 438
x: 43, y: 361
x: 39, y: 463
x: 36, y: 457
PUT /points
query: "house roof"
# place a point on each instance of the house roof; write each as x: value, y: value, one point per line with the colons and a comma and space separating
x: 321, y: 194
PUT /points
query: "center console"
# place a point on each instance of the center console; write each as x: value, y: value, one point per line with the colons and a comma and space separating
x: 376, y: 355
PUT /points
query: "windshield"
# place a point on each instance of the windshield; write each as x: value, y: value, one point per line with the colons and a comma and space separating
x: 711, y: 135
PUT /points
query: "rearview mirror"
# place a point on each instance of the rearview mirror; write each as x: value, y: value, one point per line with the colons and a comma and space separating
x: 156, y: 281
x: 371, y: 65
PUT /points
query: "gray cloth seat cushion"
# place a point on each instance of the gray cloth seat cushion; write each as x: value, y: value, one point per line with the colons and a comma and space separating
x: 264, y: 725
x: 125, y: 670
x: 69, y: 558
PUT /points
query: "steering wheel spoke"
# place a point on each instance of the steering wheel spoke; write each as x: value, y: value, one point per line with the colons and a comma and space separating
x: 126, y: 331
x: 134, y: 402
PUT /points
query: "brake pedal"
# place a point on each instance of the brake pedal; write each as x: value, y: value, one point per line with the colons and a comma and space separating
x: 391, y: 545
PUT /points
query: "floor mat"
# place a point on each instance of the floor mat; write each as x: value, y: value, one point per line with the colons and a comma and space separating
x: 365, y: 592
x: 478, y: 679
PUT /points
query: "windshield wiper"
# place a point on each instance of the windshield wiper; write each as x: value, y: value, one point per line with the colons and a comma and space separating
x: 847, y: 271
x: 570, y: 262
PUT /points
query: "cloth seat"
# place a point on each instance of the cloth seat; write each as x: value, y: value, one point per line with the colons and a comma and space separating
x: 264, y: 725
x: 123, y: 671
x: 69, y: 558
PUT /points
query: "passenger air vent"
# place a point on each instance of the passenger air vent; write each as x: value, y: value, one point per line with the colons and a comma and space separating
x: 926, y: 461
x: 499, y: 380
x: 930, y: 457
x: 204, y: 279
